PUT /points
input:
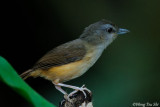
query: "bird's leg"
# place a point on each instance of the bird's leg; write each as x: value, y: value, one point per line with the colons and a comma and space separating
x: 74, y: 87
x: 60, y: 89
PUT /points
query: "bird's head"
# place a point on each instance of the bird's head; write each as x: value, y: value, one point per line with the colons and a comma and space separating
x: 102, y: 32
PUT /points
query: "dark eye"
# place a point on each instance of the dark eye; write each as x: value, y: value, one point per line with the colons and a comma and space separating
x: 109, y: 30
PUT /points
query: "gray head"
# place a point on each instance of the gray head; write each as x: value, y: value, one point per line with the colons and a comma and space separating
x: 102, y: 32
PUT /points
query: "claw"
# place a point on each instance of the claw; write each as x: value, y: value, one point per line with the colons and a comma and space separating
x: 83, y: 86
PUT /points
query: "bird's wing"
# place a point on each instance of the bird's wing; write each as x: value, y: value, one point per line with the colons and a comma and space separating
x: 63, y: 54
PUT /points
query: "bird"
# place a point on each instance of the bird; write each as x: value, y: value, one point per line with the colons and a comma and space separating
x: 72, y: 59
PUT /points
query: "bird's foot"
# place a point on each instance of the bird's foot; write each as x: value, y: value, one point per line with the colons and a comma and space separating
x: 82, y: 89
x: 77, y: 99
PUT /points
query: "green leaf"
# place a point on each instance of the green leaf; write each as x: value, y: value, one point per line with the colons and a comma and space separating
x: 10, y: 77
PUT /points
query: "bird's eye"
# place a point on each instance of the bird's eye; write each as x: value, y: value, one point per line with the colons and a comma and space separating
x: 109, y: 30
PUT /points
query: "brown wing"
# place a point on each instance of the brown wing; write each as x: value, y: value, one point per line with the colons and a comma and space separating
x: 63, y: 54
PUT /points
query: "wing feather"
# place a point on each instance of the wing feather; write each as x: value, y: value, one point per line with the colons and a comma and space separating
x: 63, y: 54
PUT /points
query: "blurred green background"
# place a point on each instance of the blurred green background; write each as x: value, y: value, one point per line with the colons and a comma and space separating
x: 128, y: 72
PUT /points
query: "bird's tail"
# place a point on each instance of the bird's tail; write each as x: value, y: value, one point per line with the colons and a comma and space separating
x: 26, y: 74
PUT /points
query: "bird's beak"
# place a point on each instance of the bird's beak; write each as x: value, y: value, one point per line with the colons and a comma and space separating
x: 122, y: 31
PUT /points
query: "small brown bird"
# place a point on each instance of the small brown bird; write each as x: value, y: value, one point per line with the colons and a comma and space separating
x: 74, y: 58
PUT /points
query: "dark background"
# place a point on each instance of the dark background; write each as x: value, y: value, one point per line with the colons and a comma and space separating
x: 127, y: 72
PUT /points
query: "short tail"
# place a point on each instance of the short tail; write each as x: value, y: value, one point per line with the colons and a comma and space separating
x: 26, y: 74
